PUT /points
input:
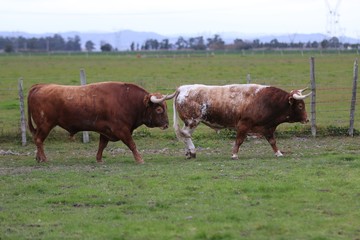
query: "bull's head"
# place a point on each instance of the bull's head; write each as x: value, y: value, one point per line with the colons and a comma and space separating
x: 296, y: 100
x: 156, y: 110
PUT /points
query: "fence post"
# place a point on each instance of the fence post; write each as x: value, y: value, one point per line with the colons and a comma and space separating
x: 83, y: 82
x: 353, y: 99
x: 248, y: 78
x: 22, y: 112
x: 313, y: 96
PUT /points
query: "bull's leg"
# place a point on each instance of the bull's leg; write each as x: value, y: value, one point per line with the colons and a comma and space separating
x: 40, y: 154
x: 129, y: 141
x: 271, y: 139
x: 190, y: 147
x: 240, y: 137
x: 241, y: 132
x: 103, y: 142
x: 39, y: 138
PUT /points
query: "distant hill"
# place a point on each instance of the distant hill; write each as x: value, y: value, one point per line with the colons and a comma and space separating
x: 123, y: 39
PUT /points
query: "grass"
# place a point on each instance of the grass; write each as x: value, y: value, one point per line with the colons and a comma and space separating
x: 311, y: 193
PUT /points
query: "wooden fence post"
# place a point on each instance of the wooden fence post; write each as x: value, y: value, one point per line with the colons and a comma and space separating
x: 83, y: 82
x: 313, y: 96
x: 353, y: 99
x: 248, y: 78
x: 22, y: 112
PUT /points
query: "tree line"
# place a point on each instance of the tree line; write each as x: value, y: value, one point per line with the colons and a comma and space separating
x: 217, y: 43
x: 58, y: 43
x: 42, y: 44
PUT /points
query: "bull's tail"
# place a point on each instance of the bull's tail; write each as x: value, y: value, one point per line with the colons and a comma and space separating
x: 175, y: 118
x: 181, y: 135
x: 30, y: 124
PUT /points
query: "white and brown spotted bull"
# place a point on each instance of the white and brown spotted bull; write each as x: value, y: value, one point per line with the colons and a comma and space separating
x: 246, y: 108
x: 113, y: 109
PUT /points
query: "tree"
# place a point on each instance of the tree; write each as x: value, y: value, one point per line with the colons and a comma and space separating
x: 274, y: 43
x: 334, y: 42
x: 32, y: 44
x: 324, y: 43
x: 106, y: 47
x: 8, y: 48
x: 151, y: 44
x: 315, y: 44
x: 132, y: 46
x: 181, y: 43
x: 73, y: 44
x: 216, y: 43
x: 165, y: 44
x: 197, y: 43
x: 89, y: 46
x: 256, y: 43
x: 239, y: 44
x: 57, y: 43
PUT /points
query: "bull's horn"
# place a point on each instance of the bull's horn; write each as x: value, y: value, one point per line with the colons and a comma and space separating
x: 170, y: 96
x: 154, y: 99
x: 300, y: 96
x: 301, y: 90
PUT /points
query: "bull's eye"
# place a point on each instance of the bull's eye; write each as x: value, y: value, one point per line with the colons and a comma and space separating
x: 300, y: 106
x: 159, y: 110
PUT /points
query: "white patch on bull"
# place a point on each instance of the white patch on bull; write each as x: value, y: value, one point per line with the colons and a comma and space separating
x: 42, y: 114
x: 184, y: 91
x: 204, y: 107
x: 240, y: 90
x: 234, y: 90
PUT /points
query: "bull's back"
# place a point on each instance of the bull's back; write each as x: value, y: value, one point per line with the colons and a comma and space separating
x: 79, y: 107
x: 66, y: 99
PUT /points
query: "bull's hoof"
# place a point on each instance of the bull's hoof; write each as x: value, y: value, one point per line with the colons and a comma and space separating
x: 234, y: 157
x: 279, y: 154
x: 41, y: 160
x: 190, y: 155
x: 140, y: 162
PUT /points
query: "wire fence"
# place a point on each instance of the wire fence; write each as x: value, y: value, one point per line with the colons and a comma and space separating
x: 335, y: 104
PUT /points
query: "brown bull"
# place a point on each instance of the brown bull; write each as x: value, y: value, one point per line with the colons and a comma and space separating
x: 112, y: 109
x: 246, y: 108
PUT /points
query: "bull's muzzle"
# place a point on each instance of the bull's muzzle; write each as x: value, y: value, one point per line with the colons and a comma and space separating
x: 305, y: 121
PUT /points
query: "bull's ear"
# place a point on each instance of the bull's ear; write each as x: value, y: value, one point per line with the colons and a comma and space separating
x: 291, y: 100
x: 147, y: 100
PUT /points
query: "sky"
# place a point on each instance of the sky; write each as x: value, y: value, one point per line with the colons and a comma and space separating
x: 176, y: 17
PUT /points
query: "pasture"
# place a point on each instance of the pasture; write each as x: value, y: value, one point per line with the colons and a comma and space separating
x: 311, y: 193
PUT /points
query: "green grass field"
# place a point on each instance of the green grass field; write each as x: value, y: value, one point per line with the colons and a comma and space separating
x: 311, y: 193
